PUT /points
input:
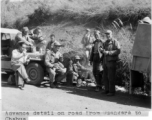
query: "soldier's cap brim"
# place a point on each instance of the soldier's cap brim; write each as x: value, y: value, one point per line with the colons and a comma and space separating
x: 108, y: 32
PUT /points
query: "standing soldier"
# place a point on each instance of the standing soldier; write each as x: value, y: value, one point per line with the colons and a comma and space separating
x: 111, y: 51
x: 87, y: 41
x: 96, y: 59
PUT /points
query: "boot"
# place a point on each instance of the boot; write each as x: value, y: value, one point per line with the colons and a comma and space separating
x: 57, y: 85
x: 21, y: 87
x: 52, y: 85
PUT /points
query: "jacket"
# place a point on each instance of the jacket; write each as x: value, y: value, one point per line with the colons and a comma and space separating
x: 51, y: 58
x: 100, y: 54
x: 113, y: 49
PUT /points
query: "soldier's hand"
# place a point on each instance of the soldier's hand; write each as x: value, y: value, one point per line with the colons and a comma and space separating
x: 76, y: 74
x: 90, y: 63
x: 56, y: 66
x: 27, y: 61
x: 101, y: 49
x: 30, y: 44
x: 24, y: 53
x: 106, y: 52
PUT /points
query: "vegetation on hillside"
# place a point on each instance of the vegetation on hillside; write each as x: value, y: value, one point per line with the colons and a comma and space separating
x: 15, y: 14
x: 55, y: 16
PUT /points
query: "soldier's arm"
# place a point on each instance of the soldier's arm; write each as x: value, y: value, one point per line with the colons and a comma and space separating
x: 47, y: 60
x: 20, y: 38
x: 91, y: 55
x: 82, y: 68
x: 16, y: 55
x: 101, y: 47
x: 83, y: 41
x: 48, y: 46
x: 31, y: 40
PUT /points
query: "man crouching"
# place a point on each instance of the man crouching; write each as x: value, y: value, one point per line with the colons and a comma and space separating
x: 56, y: 72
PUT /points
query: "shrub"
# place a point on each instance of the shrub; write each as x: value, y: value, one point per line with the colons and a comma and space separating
x: 39, y: 16
x: 92, y: 13
x: 84, y: 11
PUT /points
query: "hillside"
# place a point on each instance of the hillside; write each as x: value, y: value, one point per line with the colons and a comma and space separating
x: 80, y: 11
x: 68, y: 19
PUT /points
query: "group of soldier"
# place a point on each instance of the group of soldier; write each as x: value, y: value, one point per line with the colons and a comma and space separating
x: 102, y: 55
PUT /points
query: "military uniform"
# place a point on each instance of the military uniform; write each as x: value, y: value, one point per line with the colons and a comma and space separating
x: 96, y: 58
x: 49, y: 45
x: 39, y: 42
x: 113, y: 48
x: 20, y: 37
x: 55, y: 74
x: 87, y: 41
x: 75, y: 71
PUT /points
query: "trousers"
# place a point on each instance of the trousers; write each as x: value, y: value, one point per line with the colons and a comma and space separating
x: 98, y: 72
x: 21, y: 73
x: 55, y: 76
x: 109, y: 76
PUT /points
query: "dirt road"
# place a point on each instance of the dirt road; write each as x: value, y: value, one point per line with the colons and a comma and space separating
x: 42, y: 98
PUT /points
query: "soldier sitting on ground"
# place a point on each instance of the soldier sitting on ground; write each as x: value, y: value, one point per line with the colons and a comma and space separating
x: 75, y: 72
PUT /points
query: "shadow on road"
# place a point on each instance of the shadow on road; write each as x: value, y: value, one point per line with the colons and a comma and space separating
x: 4, y: 81
x: 5, y: 77
x: 120, y: 97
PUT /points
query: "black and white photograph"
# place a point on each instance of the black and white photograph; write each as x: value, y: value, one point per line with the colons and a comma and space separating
x: 75, y: 58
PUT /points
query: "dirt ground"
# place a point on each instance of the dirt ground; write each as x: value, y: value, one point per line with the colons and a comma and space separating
x: 44, y: 98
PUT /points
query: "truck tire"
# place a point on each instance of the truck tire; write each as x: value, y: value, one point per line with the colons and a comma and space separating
x: 35, y: 73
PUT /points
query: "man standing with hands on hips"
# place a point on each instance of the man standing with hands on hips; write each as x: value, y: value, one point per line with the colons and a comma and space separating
x: 111, y: 50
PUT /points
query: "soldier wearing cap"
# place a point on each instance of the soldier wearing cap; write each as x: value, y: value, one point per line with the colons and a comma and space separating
x: 96, y: 59
x: 111, y: 51
x: 51, y: 58
x: 18, y: 60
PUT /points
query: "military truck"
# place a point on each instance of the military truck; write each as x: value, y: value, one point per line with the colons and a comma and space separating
x: 141, y: 62
x: 35, y: 67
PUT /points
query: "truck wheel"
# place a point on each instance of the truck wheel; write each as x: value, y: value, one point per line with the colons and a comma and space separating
x: 35, y: 73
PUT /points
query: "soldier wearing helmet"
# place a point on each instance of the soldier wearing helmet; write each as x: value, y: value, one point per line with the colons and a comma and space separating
x: 75, y: 71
